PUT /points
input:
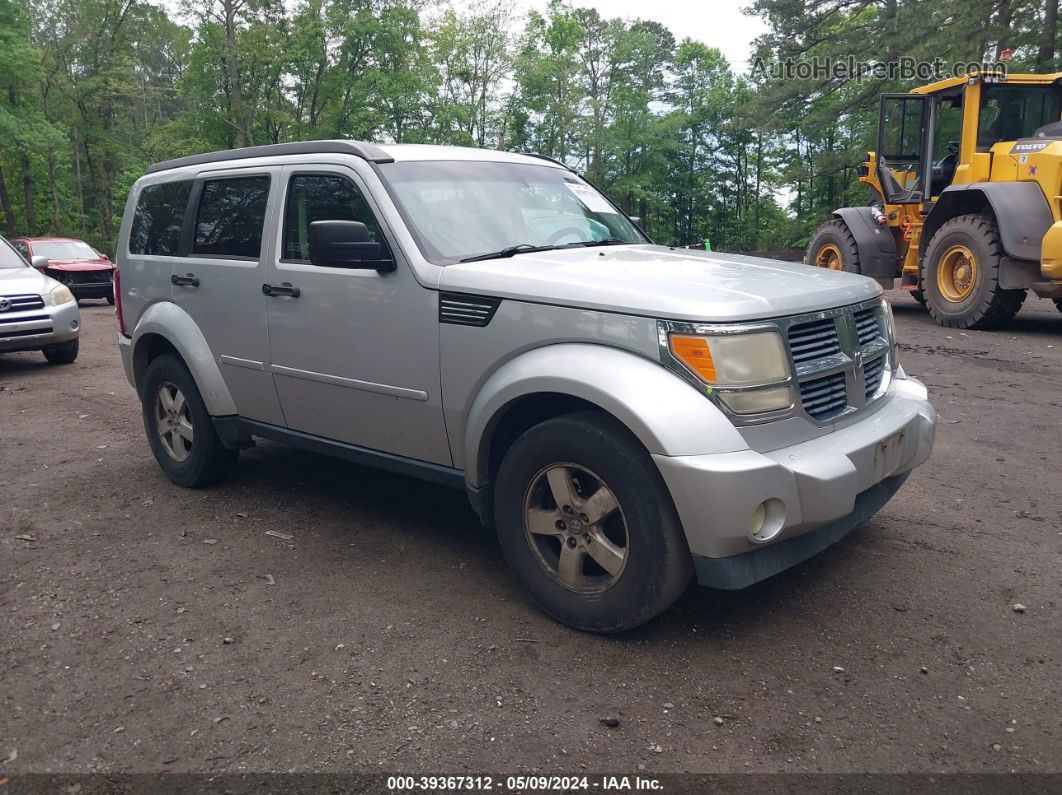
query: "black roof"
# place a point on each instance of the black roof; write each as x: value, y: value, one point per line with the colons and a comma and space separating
x: 366, y: 151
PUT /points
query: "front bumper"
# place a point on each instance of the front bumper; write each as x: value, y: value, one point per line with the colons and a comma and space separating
x: 34, y: 329
x: 833, y: 482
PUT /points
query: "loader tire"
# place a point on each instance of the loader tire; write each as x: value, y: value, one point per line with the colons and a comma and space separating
x: 961, y: 275
x: 834, y: 248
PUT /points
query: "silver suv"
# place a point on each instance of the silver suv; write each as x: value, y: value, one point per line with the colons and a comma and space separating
x: 37, y: 313
x: 626, y: 415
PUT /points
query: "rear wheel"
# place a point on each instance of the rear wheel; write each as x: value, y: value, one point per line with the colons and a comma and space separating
x: 179, y: 427
x: 834, y: 248
x: 961, y: 275
x: 62, y: 352
x: 588, y: 525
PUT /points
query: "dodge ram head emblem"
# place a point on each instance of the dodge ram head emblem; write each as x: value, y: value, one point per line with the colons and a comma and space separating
x: 5, y: 304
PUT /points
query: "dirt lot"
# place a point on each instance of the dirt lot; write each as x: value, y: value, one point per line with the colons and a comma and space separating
x: 144, y: 627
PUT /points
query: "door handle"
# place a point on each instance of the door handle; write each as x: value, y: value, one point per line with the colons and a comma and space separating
x: 282, y: 289
x: 188, y: 280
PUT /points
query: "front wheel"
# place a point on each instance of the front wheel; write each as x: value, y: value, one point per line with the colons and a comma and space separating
x: 961, y: 275
x: 62, y: 352
x: 179, y: 427
x: 586, y: 522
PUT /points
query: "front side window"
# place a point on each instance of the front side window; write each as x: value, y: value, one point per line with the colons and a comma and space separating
x: 322, y: 197
x: 159, y: 218
x: 231, y: 216
x: 459, y: 209
x: 1009, y: 112
x: 65, y: 250
x: 23, y: 248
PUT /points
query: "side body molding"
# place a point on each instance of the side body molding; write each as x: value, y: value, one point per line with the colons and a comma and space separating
x: 666, y: 413
x: 168, y: 320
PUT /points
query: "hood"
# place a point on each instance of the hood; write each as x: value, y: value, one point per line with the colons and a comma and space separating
x: 657, y: 281
x: 80, y: 264
x: 24, y: 281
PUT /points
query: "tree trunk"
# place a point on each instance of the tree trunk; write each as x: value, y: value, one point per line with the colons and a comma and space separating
x: 53, y: 180
x: 27, y: 194
x: 80, y: 187
x: 1046, y: 55
x: 9, y: 211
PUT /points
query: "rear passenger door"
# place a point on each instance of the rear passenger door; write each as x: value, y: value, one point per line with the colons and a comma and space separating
x: 219, y: 281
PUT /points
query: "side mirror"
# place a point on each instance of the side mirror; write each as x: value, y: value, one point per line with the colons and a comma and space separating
x: 346, y: 244
x: 103, y: 256
x: 39, y: 262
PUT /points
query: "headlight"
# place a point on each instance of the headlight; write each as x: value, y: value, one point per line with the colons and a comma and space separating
x: 890, y: 331
x: 731, y: 364
x: 60, y: 294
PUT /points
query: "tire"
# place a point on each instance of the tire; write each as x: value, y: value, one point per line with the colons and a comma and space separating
x: 205, y: 460
x: 1058, y: 304
x: 961, y: 275
x: 62, y: 352
x: 110, y: 298
x: 834, y: 247
x: 597, y: 452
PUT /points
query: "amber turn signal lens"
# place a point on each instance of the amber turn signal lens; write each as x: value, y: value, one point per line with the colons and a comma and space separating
x: 694, y: 353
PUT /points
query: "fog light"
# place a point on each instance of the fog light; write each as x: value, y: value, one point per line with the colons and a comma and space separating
x: 767, y: 520
x: 73, y: 325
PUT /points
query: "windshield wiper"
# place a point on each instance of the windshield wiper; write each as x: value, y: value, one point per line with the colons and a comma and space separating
x: 508, y: 251
x: 605, y: 241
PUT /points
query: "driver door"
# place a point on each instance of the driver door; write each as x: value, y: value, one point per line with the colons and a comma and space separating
x: 905, y: 134
x: 354, y: 353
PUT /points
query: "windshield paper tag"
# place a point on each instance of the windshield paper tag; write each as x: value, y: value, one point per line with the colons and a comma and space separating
x: 591, y: 199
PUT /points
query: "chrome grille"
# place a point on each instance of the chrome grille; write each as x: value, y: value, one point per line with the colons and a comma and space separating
x: 872, y: 374
x: 867, y: 325
x: 20, y: 303
x: 467, y: 310
x: 809, y: 341
x: 840, y: 358
x: 825, y: 397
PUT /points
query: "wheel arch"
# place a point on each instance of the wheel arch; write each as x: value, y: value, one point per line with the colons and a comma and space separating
x: 875, y: 244
x: 1020, y: 209
x: 641, y: 395
x: 163, y: 328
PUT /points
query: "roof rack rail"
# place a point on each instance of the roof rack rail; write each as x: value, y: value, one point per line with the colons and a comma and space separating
x: 550, y: 159
x: 366, y: 151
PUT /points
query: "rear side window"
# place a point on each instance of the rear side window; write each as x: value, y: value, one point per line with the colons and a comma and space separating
x: 159, y: 218
x: 321, y: 197
x: 231, y: 216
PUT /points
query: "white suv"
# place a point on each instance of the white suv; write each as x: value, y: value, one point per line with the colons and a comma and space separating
x: 625, y: 414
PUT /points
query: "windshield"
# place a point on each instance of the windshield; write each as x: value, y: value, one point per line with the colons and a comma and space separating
x: 1009, y: 112
x: 458, y: 208
x: 9, y: 258
x: 64, y: 249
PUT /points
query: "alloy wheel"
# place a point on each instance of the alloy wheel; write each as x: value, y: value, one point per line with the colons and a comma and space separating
x: 575, y: 527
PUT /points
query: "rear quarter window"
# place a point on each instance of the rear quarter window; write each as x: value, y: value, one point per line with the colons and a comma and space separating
x: 159, y: 219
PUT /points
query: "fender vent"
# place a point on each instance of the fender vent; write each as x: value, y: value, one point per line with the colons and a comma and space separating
x: 467, y: 310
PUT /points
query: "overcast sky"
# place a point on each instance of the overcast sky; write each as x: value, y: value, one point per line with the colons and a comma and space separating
x: 717, y: 23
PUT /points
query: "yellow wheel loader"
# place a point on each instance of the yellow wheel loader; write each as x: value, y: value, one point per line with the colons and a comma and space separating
x: 966, y: 209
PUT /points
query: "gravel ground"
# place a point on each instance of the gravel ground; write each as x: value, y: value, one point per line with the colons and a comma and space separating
x: 144, y: 627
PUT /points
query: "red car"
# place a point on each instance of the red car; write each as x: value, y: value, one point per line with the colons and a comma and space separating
x: 87, y: 272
